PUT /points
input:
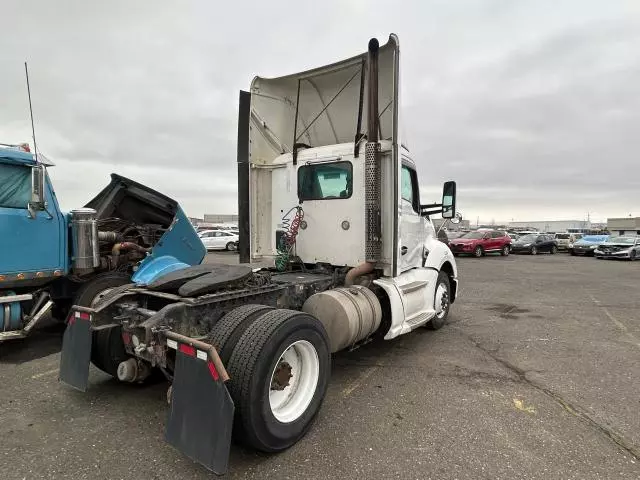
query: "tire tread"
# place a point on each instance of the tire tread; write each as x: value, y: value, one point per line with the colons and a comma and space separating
x: 226, y: 333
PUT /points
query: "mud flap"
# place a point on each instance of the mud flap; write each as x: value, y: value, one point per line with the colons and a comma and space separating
x: 76, y: 351
x: 200, y: 416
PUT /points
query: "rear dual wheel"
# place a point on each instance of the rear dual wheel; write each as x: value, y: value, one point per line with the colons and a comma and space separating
x: 279, y: 365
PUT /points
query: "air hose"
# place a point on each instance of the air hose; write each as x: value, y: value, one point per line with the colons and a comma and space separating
x: 286, y: 245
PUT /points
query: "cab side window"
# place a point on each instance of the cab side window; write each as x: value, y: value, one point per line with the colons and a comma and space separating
x: 409, y: 185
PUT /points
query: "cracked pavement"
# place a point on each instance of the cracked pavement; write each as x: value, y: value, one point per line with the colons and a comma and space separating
x: 536, y: 376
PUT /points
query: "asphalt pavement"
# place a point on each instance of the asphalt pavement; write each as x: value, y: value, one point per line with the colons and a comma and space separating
x: 536, y: 376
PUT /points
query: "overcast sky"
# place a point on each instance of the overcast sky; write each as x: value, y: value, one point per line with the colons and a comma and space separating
x: 533, y: 107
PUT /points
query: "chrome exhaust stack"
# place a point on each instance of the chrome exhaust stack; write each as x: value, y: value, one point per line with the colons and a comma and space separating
x: 373, y: 243
x: 84, y: 235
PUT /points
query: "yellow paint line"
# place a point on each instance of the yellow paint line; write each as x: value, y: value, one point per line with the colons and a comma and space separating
x: 520, y: 405
x: 358, y: 381
x: 44, y: 374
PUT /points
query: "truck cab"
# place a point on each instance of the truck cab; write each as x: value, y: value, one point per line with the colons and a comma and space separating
x: 308, y: 150
x: 28, y: 260
x: 52, y: 259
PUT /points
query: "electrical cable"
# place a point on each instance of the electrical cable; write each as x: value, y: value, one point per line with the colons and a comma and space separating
x: 286, y: 245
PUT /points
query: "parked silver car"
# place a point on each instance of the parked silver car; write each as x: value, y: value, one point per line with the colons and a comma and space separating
x: 627, y: 248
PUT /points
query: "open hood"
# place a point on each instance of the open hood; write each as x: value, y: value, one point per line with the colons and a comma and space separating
x: 327, y: 101
x: 124, y: 198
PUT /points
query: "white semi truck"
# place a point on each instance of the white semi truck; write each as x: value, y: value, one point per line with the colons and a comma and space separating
x: 335, y: 207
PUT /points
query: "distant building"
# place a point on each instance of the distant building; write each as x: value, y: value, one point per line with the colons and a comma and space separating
x: 575, y: 226
x: 624, y: 226
x: 220, y: 218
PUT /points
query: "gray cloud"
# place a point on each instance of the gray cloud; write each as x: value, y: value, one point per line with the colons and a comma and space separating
x: 531, y: 106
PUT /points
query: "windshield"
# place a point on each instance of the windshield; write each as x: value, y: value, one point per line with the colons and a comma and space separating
x: 473, y: 235
x: 528, y: 238
x: 625, y: 240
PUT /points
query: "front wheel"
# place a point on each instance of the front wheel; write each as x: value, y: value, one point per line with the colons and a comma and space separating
x: 279, y: 372
x: 107, y: 347
x: 231, y: 247
x: 505, y: 251
x: 534, y: 250
x: 478, y: 252
x: 554, y: 250
x: 441, y: 302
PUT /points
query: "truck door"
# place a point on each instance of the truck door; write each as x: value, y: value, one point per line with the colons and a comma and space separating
x: 412, y: 228
x: 30, y: 245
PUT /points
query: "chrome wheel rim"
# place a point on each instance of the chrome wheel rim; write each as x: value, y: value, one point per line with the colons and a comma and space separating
x: 441, y: 300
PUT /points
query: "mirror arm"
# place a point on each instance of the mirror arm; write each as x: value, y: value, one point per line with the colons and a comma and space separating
x: 31, y: 211
x: 426, y: 213
x: 431, y: 205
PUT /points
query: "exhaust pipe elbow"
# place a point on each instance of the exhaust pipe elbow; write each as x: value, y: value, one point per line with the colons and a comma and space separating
x: 354, y: 273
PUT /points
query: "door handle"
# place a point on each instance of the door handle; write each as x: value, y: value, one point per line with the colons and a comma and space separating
x: 403, y: 250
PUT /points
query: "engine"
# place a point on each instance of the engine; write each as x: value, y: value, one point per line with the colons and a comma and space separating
x: 109, y: 244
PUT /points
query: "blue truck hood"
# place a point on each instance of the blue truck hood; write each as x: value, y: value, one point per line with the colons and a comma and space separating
x: 179, y: 246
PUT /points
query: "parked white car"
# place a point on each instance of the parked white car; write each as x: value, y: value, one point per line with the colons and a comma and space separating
x: 219, y: 240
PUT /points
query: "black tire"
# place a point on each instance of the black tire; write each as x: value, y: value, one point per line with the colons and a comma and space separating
x: 632, y: 255
x: 553, y: 250
x: 478, y: 252
x: 225, y: 334
x: 107, y: 347
x: 250, y: 367
x: 231, y: 247
x: 573, y: 254
x: 533, y: 250
x: 505, y: 251
x: 438, y: 322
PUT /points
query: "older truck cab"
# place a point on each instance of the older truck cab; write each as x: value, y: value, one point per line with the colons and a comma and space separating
x: 51, y: 259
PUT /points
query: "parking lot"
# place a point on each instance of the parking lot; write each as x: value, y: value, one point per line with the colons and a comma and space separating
x: 536, y: 376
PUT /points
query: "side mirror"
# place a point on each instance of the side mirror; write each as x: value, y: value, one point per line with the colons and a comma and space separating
x: 449, y: 200
x: 457, y: 219
x: 37, y: 202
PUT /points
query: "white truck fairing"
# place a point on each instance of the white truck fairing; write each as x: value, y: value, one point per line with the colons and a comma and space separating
x: 328, y: 100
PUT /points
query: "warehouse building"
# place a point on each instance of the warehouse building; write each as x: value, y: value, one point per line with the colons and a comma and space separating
x: 220, y: 218
x: 624, y: 226
x: 553, y: 225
